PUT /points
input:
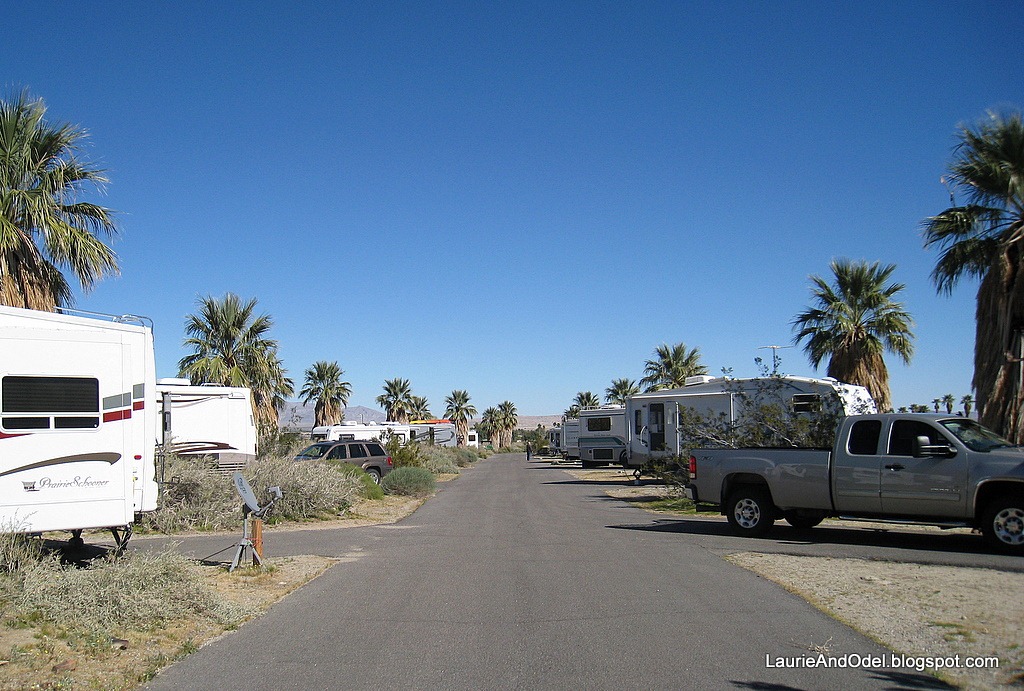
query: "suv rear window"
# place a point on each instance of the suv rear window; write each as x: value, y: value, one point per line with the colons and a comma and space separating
x: 376, y: 450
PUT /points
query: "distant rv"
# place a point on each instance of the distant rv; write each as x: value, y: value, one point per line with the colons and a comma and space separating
x: 652, y: 419
x: 602, y: 436
x: 433, y: 432
x: 207, y: 420
x: 570, y: 448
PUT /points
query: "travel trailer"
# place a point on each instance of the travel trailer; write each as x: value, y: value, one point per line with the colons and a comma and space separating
x: 76, y: 422
x: 570, y: 448
x: 434, y: 432
x: 555, y: 441
x: 206, y: 420
x: 652, y: 419
x: 602, y: 436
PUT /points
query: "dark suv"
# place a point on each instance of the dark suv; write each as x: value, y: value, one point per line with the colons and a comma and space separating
x: 368, y: 455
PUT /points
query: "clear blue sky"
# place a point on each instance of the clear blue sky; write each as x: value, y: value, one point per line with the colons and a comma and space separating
x: 522, y: 199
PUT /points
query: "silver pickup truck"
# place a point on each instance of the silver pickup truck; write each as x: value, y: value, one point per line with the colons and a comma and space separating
x: 920, y: 468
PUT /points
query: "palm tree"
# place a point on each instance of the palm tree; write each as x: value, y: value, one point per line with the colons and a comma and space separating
x: 949, y: 401
x: 508, y: 420
x: 324, y: 385
x: 967, y: 401
x: 587, y: 399
x: 620, y: 390
x: 489, y: 426
x: 231, y: 348
x: 396, y: 400
x: 936, y: 402
x: 459, y: 410
x: 572, y: 412
x: 671, y: 367
x: 419, y: 408
x: 44, y: 226
x: 984, y: 239
x: 855, y: 321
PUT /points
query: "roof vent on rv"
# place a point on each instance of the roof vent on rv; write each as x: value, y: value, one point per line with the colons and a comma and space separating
x: 700, y: 379
x: 174, y: 381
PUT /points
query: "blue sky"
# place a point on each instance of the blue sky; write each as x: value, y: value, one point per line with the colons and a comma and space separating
x: 522, y: 199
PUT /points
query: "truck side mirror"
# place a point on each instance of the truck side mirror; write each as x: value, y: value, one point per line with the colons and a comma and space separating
x: 923, y: 448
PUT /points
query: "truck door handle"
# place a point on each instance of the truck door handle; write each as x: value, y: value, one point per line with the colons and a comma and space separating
x: 895, y: 466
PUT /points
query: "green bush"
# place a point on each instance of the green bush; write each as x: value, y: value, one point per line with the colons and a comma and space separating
x: 371, y: 490
x: 411, y: 482
x: 439, y: 459
x: 407, y: 456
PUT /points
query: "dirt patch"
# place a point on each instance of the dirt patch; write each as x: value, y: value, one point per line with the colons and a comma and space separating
x: 917, y: 610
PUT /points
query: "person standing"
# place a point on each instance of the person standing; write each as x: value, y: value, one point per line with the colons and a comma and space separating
x: 529, y: 450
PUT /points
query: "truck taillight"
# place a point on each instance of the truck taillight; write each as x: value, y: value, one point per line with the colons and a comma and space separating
x: 693, y: 467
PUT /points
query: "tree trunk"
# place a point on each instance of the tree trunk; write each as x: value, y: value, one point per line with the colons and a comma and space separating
x: 998, y: 346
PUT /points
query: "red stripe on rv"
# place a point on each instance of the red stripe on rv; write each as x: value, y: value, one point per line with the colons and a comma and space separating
x: 10, y: 436
x: 138, y: 405
x: 116, y: 415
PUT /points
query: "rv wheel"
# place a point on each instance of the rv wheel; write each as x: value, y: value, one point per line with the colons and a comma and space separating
x: 750, y: 511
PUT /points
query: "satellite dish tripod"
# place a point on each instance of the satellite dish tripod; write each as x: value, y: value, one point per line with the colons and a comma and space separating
x: 251, y: 526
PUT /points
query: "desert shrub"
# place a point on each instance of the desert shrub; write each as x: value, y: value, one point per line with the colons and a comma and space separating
x: 407, y: 456
x: 412, y: 482
x: 439, y: 459
x: 370, y: 489
x: 17, y: 550
x: 465, y: 456
x: 139, y: 591
x: 198, y: 497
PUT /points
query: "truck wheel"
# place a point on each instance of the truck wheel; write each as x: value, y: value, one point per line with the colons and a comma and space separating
x: 750, y: 511
x: 802, y: 521
x: 1002, y: 524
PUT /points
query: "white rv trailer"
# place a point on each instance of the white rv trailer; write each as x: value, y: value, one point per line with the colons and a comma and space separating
x: 555, y: 441
x: 652, y: 419
x: 76, y: 422
x: 570, y: 439
x: 206, y: 420
x: 435, y: 432
x: 602, y: 436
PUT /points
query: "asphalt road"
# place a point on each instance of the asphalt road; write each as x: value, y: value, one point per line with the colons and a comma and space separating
x: 518, y: 576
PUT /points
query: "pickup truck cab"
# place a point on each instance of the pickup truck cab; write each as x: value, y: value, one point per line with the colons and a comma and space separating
x: 920, y: 468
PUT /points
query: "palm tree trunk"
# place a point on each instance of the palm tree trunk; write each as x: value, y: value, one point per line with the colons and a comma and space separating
x: 999, y: 347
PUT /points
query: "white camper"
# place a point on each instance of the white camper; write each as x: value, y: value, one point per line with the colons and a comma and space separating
x: 602, y: 436
x: 652, y: 419
x: 434, y: 432
x: 555, y: 441
x: 76, y: 422
x: 570, y: 439
x: 206, y: 420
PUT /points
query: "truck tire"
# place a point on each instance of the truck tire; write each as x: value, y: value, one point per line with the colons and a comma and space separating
x: 803, y: 520
x: 750, y: 511
x: 1002, y: 524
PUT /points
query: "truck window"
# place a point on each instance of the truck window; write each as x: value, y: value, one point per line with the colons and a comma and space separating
x: 599, y: 424
x: 864, y: 437
x: 50, y: 402
x: 901, y: 439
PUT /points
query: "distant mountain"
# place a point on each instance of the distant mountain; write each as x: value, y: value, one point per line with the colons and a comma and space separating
x: 295, y: 416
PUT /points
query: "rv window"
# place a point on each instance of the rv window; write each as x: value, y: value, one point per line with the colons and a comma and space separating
x: 599, y: 424
x: 45, y: 402
x: 806, y: 403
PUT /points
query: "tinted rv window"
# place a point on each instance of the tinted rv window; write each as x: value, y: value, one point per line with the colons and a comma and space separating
x: 50, y: 402
x: 806, y: 403
x: 599, y: 424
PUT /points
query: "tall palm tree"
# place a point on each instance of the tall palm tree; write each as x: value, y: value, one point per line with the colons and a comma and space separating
x: 489, y: 426
x: 853, y: 323
x: 44, y: 226
x: 671, y: 366
x: 508, y: 420
x: 325, y: 387
x: 949, y: 400
x: 459, y: 410
x: 984, y: 238
x: 587, y: 399
x: 396, y: 400
x: 419, y: 408
x: 231, y: 348
x: 572, y: 412
x: 967, y: 401
x: 620, y: 390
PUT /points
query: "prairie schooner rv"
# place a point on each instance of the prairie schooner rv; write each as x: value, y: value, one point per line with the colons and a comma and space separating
x: 76, y: 422
x: 206, y: 420
x: 652, y: 419
x: 435, y: 432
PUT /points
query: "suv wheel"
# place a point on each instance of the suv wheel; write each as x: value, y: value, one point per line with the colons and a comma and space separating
x: 374, y: 473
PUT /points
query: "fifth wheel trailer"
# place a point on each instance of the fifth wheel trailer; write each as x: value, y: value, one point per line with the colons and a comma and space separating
x: 76, y: 423
x: 207, y: 420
